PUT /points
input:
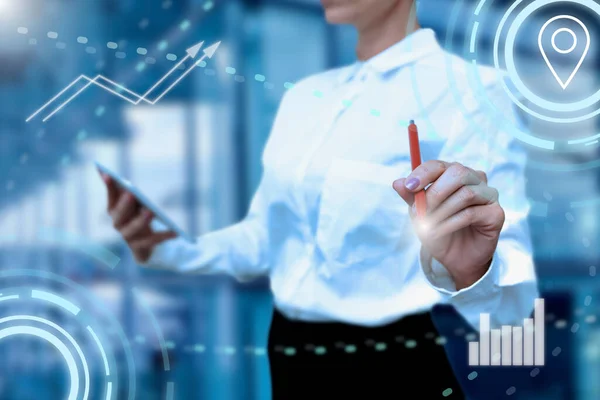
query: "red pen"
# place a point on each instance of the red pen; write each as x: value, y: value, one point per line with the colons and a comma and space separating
x: 415, y: 160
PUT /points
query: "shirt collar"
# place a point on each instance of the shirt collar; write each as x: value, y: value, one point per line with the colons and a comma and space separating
x: 410, y: 49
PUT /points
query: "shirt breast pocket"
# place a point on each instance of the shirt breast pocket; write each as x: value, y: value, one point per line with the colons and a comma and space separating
x: 361, y: 218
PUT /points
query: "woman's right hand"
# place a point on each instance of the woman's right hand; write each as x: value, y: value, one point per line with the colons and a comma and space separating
x: 132, y: 220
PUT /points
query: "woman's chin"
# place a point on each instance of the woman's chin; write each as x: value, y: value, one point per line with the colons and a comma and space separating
x: 338, y: 16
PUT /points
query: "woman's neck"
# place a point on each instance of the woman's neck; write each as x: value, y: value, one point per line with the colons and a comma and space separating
x: 386, y: 31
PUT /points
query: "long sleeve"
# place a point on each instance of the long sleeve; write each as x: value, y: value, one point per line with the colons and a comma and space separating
x: 240, y: 250
x: 508, y: 289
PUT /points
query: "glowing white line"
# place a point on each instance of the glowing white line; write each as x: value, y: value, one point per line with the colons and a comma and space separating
x: 54, y: 98
x: 86, y: 371
x: 16, y: 296
x: 119, y: 86
x: 579, y: 141
x: 170, y: 390
x: 59, y: 301
x: 140, y: 98
x: 108, y: 390
x: 102, y: 353
x: 67, y: 102
x: 154, y: 322
x: 479, y: 7
x: 179, y: 79
x: 474, y: 36
x: 60, y: 346
x: 135, y: 103
x: 165, y: 77
x: 111, y: 91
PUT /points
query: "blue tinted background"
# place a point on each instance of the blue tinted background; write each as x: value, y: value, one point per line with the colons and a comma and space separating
x: 197, y: 154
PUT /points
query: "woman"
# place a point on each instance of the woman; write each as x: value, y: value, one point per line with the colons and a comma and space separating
x: 352, y: 282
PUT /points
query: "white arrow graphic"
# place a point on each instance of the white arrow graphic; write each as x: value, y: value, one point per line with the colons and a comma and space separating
x: 192, y: 52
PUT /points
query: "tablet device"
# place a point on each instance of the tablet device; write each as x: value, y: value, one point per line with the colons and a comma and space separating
x: 142, y: 199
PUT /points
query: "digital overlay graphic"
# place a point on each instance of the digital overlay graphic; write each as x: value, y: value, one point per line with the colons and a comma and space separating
x: 119, y: 90
x: 573, y: 37
x: 511, y: 345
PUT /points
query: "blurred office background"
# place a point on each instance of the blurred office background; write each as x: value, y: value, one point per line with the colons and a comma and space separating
x: 197, y: 154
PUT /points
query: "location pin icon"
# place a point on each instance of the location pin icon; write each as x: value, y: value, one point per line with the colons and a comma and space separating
x: 564, y: 83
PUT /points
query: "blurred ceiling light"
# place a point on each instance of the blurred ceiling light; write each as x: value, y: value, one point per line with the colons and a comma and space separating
x: 7, y: 8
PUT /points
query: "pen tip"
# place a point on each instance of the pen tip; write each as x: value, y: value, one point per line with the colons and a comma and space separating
x: 411, y: 122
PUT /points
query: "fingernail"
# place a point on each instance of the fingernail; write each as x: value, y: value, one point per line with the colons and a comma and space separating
x: 412, y: 183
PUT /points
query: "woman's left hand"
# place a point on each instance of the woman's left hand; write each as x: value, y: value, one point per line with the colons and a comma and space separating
x: 463, y: 220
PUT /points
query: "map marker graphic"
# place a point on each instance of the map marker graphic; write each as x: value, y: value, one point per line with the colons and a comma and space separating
x: 564, y: 84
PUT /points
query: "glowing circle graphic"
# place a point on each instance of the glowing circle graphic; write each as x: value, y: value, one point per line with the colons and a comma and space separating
x: 94, y: 324
x: 88, y: 336
x: 558, y: 49
x: 503, y: 58
x: 64, y: 351
x: 514, y: 74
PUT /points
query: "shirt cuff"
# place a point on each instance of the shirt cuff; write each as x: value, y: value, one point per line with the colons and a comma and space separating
x: 162, y: 254
x: 439, y: 278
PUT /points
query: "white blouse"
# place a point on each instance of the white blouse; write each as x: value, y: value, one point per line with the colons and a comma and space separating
x: 325, y: 224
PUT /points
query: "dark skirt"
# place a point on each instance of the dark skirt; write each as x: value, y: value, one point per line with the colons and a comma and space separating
x: 401, y: 360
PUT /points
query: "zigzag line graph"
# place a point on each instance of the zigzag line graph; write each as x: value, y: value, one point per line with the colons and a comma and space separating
x: 119, y: 90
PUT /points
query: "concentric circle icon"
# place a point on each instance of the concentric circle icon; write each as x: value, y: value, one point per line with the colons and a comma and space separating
x: 513, y: 73
x: 74, y: 374
x: 81, y: 331
x: 521, y: 19
x: 556, y: 47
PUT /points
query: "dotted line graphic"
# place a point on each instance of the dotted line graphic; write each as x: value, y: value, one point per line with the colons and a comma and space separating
x: 373, y: 346
x: 163, y: 45
x: 143, y: 51
x: 352, y: 348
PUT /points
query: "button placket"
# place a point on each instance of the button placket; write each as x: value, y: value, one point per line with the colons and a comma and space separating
x: 301, y: 269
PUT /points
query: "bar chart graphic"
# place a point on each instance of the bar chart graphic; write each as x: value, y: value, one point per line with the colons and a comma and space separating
x: 510, y: 345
